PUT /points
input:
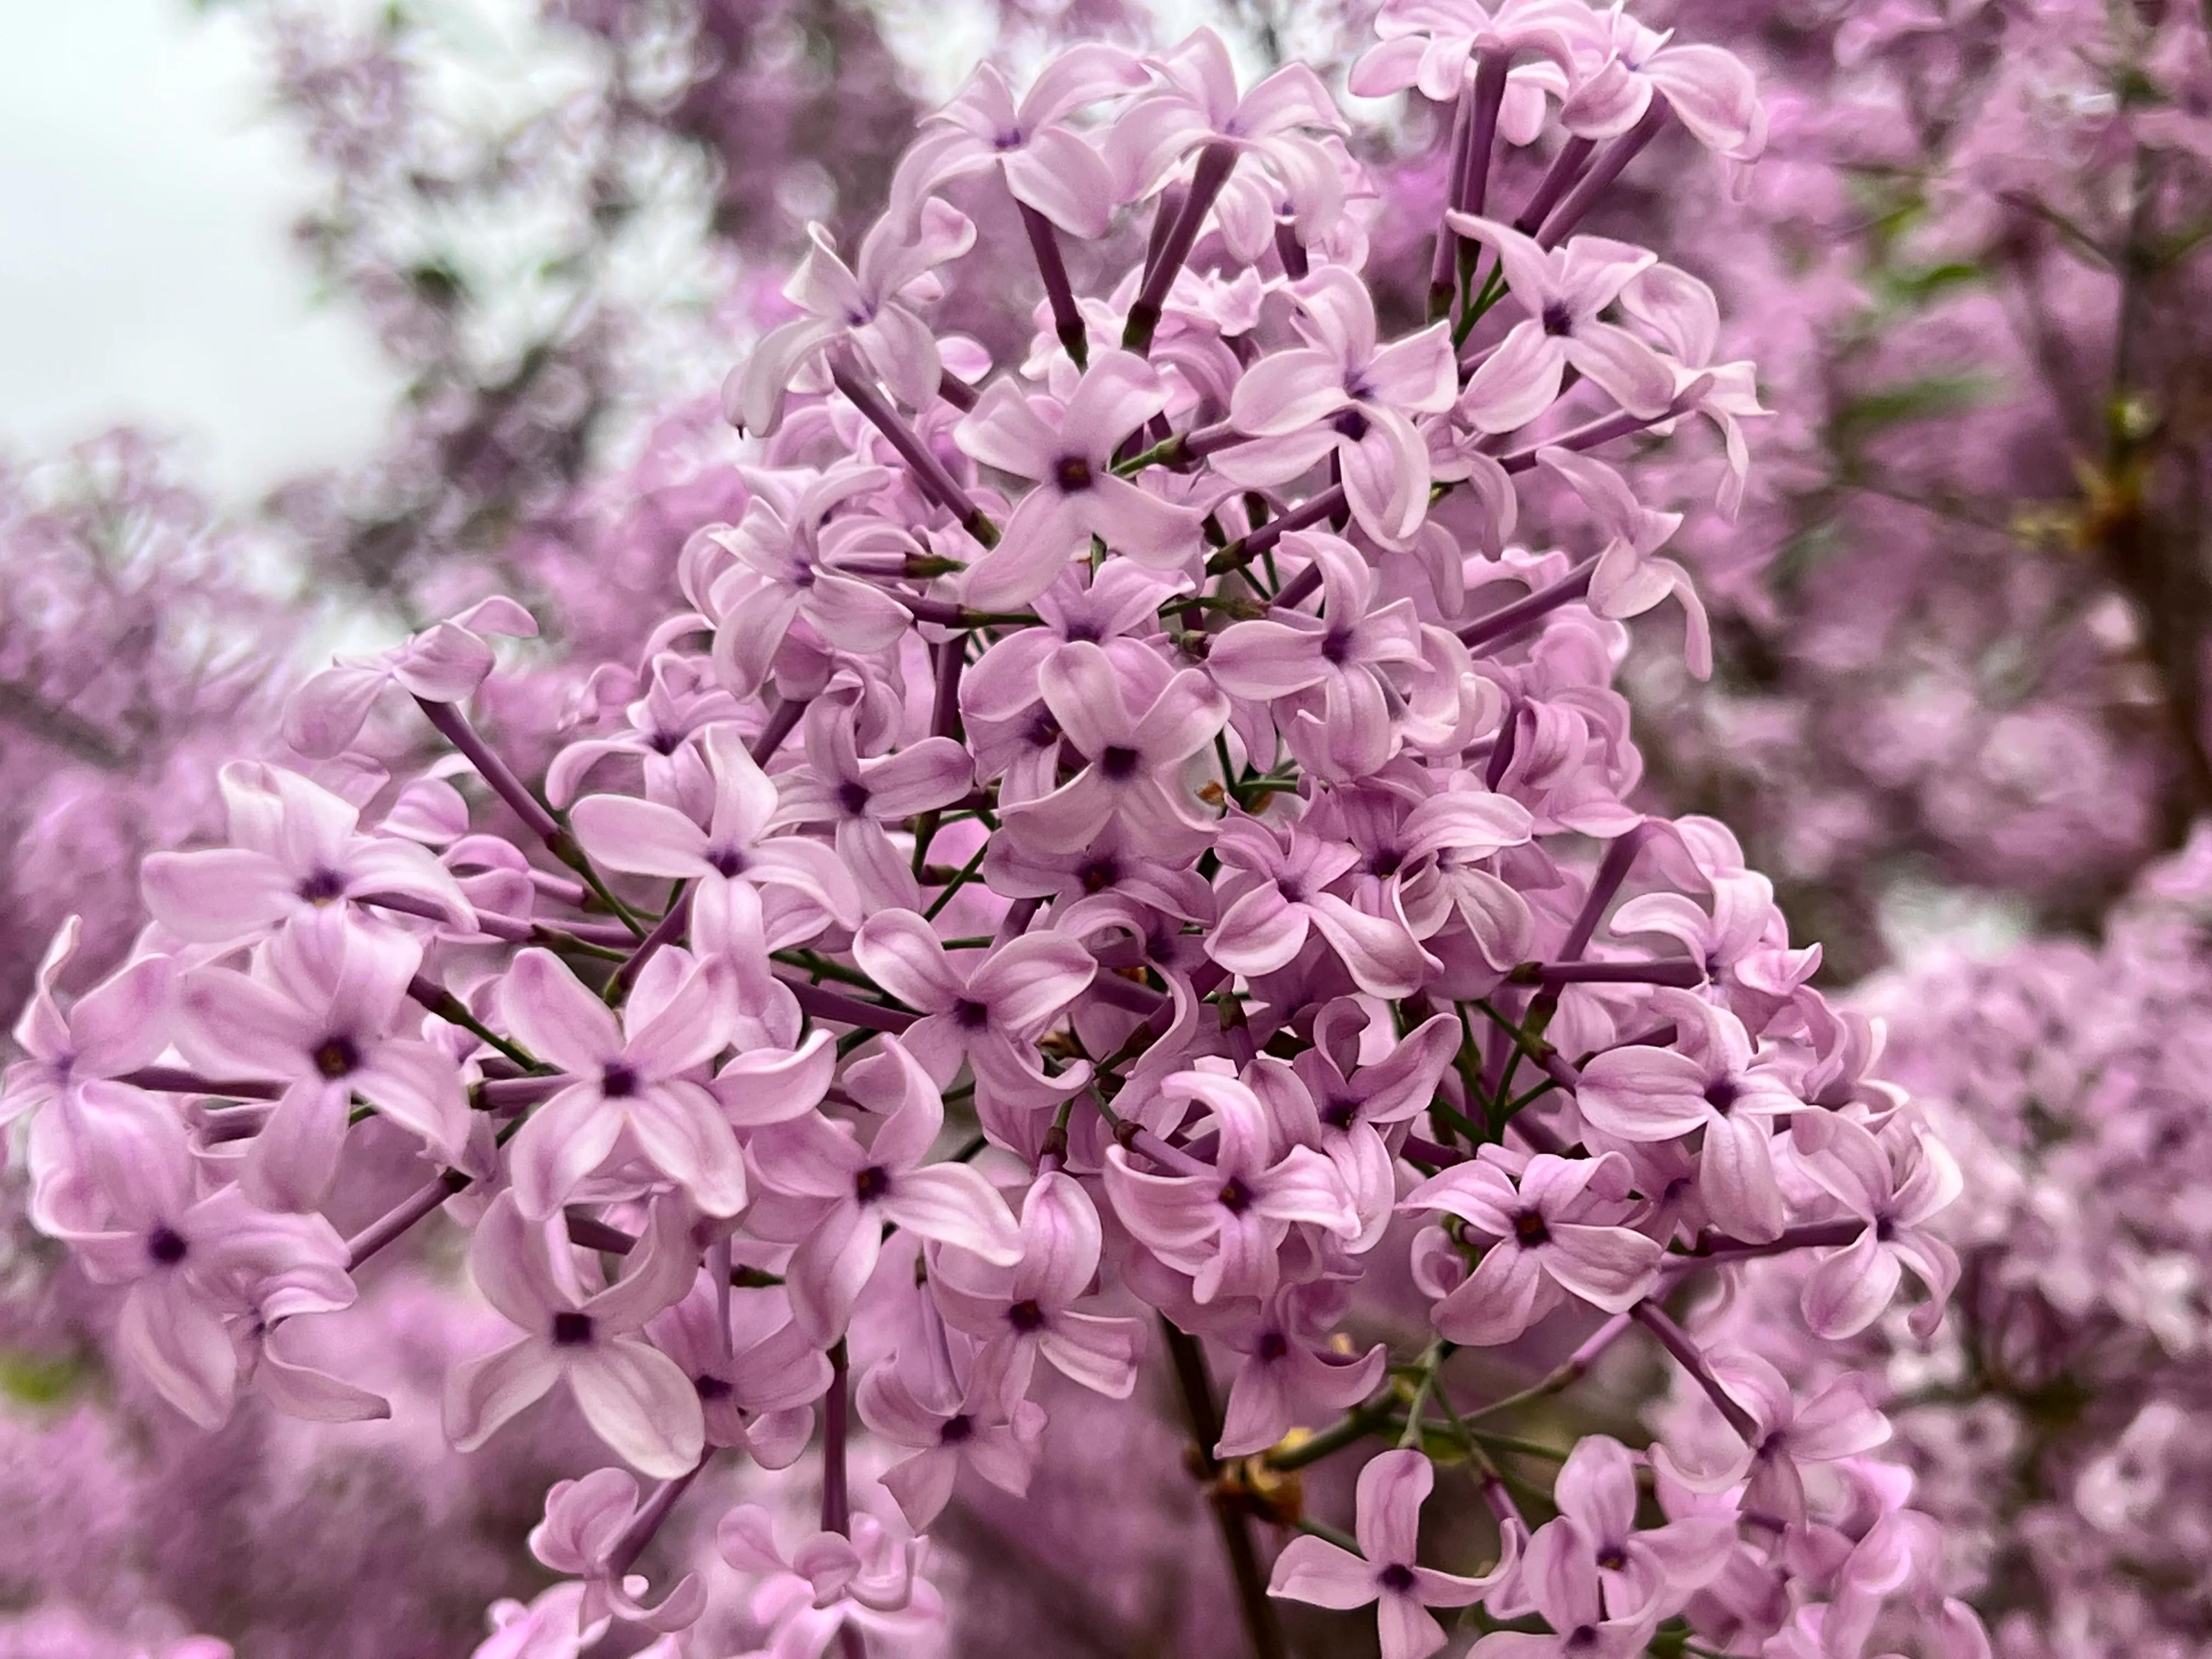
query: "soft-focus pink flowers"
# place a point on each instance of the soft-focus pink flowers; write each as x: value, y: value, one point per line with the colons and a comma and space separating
x: 633, y: 1395
x: 1392, y: 1489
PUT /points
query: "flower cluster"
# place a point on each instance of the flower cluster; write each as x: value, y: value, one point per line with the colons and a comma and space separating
x: 1126, y: 848
x: 2056, y: 1427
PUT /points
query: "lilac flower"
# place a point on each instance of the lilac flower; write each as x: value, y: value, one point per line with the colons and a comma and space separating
x: 319, y: 1018
x: 1559, y: 1577
x: 1046, y: 163
x: 1134, y: 759
x: 1273, y: 892
x: 870, y: 303
x: 1837, y: 1422
x: 1562, y: 291
x: 640, y: 1076
x: 1028, y: 1310
x: 201, y: 1265
x: 585, y: 1521
x: 633, y: 1395
x: 1067, y: 447
x: 1348, y: 396
x: 650, y: 838
x: 783, y: 567
x: 1636, y: 1570
x: 981, y: 1423
x: 1895, y: 1193
x: 987, y: 1015
x: 444, y: 663
x: 1224, y: 1226
x: 1556, y: 1235
x: 847, y: 1191
x: 1709, y: 91
x: 115, y: 1027
x: 756, y: 1387
x: 859, y: 796
x: 1386, y: 1572
x: 1198, y: 102
x: 1288, y: 1375
x: 1345, y: 654
x: 1709, y: 1084
x: 297, y: 850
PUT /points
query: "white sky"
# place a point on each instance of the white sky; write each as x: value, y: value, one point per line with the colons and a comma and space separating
x: 145, y: 270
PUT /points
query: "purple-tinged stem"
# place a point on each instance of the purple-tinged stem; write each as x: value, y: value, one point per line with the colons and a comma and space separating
x: 1602, y: 171
x: 1204, y: 1417
x: 836, y: 1407
x: 1118, y: 993
x: 1471, y: 190
x: 1435, y: 1154
x: 1566, y: 168
x: 1611, y: 871
x: 1059, y: 292
x: 503, y: 1096
x: 666, y: 931
x: 1679, y: 973
x: 1570, y: 1371
x: 956, y: 391
x: 402, y: 1215
x: 782, y: 720
x: 1215, y: 163
x: 940, y: 485
x: 825, y: 1004
x: 647, y: 1521
x: 1444, y: 262
x: 1811, y: 1235
x: 944, y: 711
x: 1677, y: 1342
x: 167, y: 1080
x: 1258, y: 540
x: 1501, y: 750
x: 1291, y: 251
x: 837, y: 1496
x: 1016, y: 922
x: 453, y: 725
x: 1165, y: 212
x: 1509, y: 619
x: 1604, y: 429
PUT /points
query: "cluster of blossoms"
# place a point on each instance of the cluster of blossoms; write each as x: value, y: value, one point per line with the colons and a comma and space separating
x: 1964, y: 610
x: 1125, y: 850
x: 2059, y: 1425
x: 134, y: 657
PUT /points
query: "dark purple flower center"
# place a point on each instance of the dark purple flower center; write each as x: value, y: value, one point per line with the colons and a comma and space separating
x: 970, y: 1015
x: 956, y: 1428
x: 322, y: 887
x: 1720, y: 1094
x: 1884, y: 1230
x: 727, y: 861
x: 1273, y: 1345
x: 712, y: 1388
x: 1612, y: 1558
x: 1071, y: 473
x: 1235, y: 1196
x: 663, y: 743
x: 618, y: 1081
x: 852, y: 797
x: 1386, y: 861
x: 1088, y: 632
x: 1043, y: 730
x: 572, y: 1330
x: 1026, y: 1316
x: 1582, y: 1636
x: 1557, y: 321
x: 1119, y: 763
x: 1529, y: 1229
x: 1341, y: 1112
x: 1099, y: 874
x: 1397, y: 1578
x: 337, y: 1057
x: 1336, y: 647
x: 872, y: 1183
x: 165, y: 1245
x: 1351, y: 424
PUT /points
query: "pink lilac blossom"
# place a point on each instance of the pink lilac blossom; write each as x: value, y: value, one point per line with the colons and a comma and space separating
x: 1195, y: 1015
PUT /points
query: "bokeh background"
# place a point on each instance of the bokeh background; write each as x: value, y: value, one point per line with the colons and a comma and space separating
x: 326, y: 319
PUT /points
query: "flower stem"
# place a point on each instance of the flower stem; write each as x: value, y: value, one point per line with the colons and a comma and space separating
x: 1067, y: 315
x: 1215, y: 163
x: 1196, y: 1390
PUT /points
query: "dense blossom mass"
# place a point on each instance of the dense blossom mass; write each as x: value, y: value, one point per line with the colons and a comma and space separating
x: 1123, y: 865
